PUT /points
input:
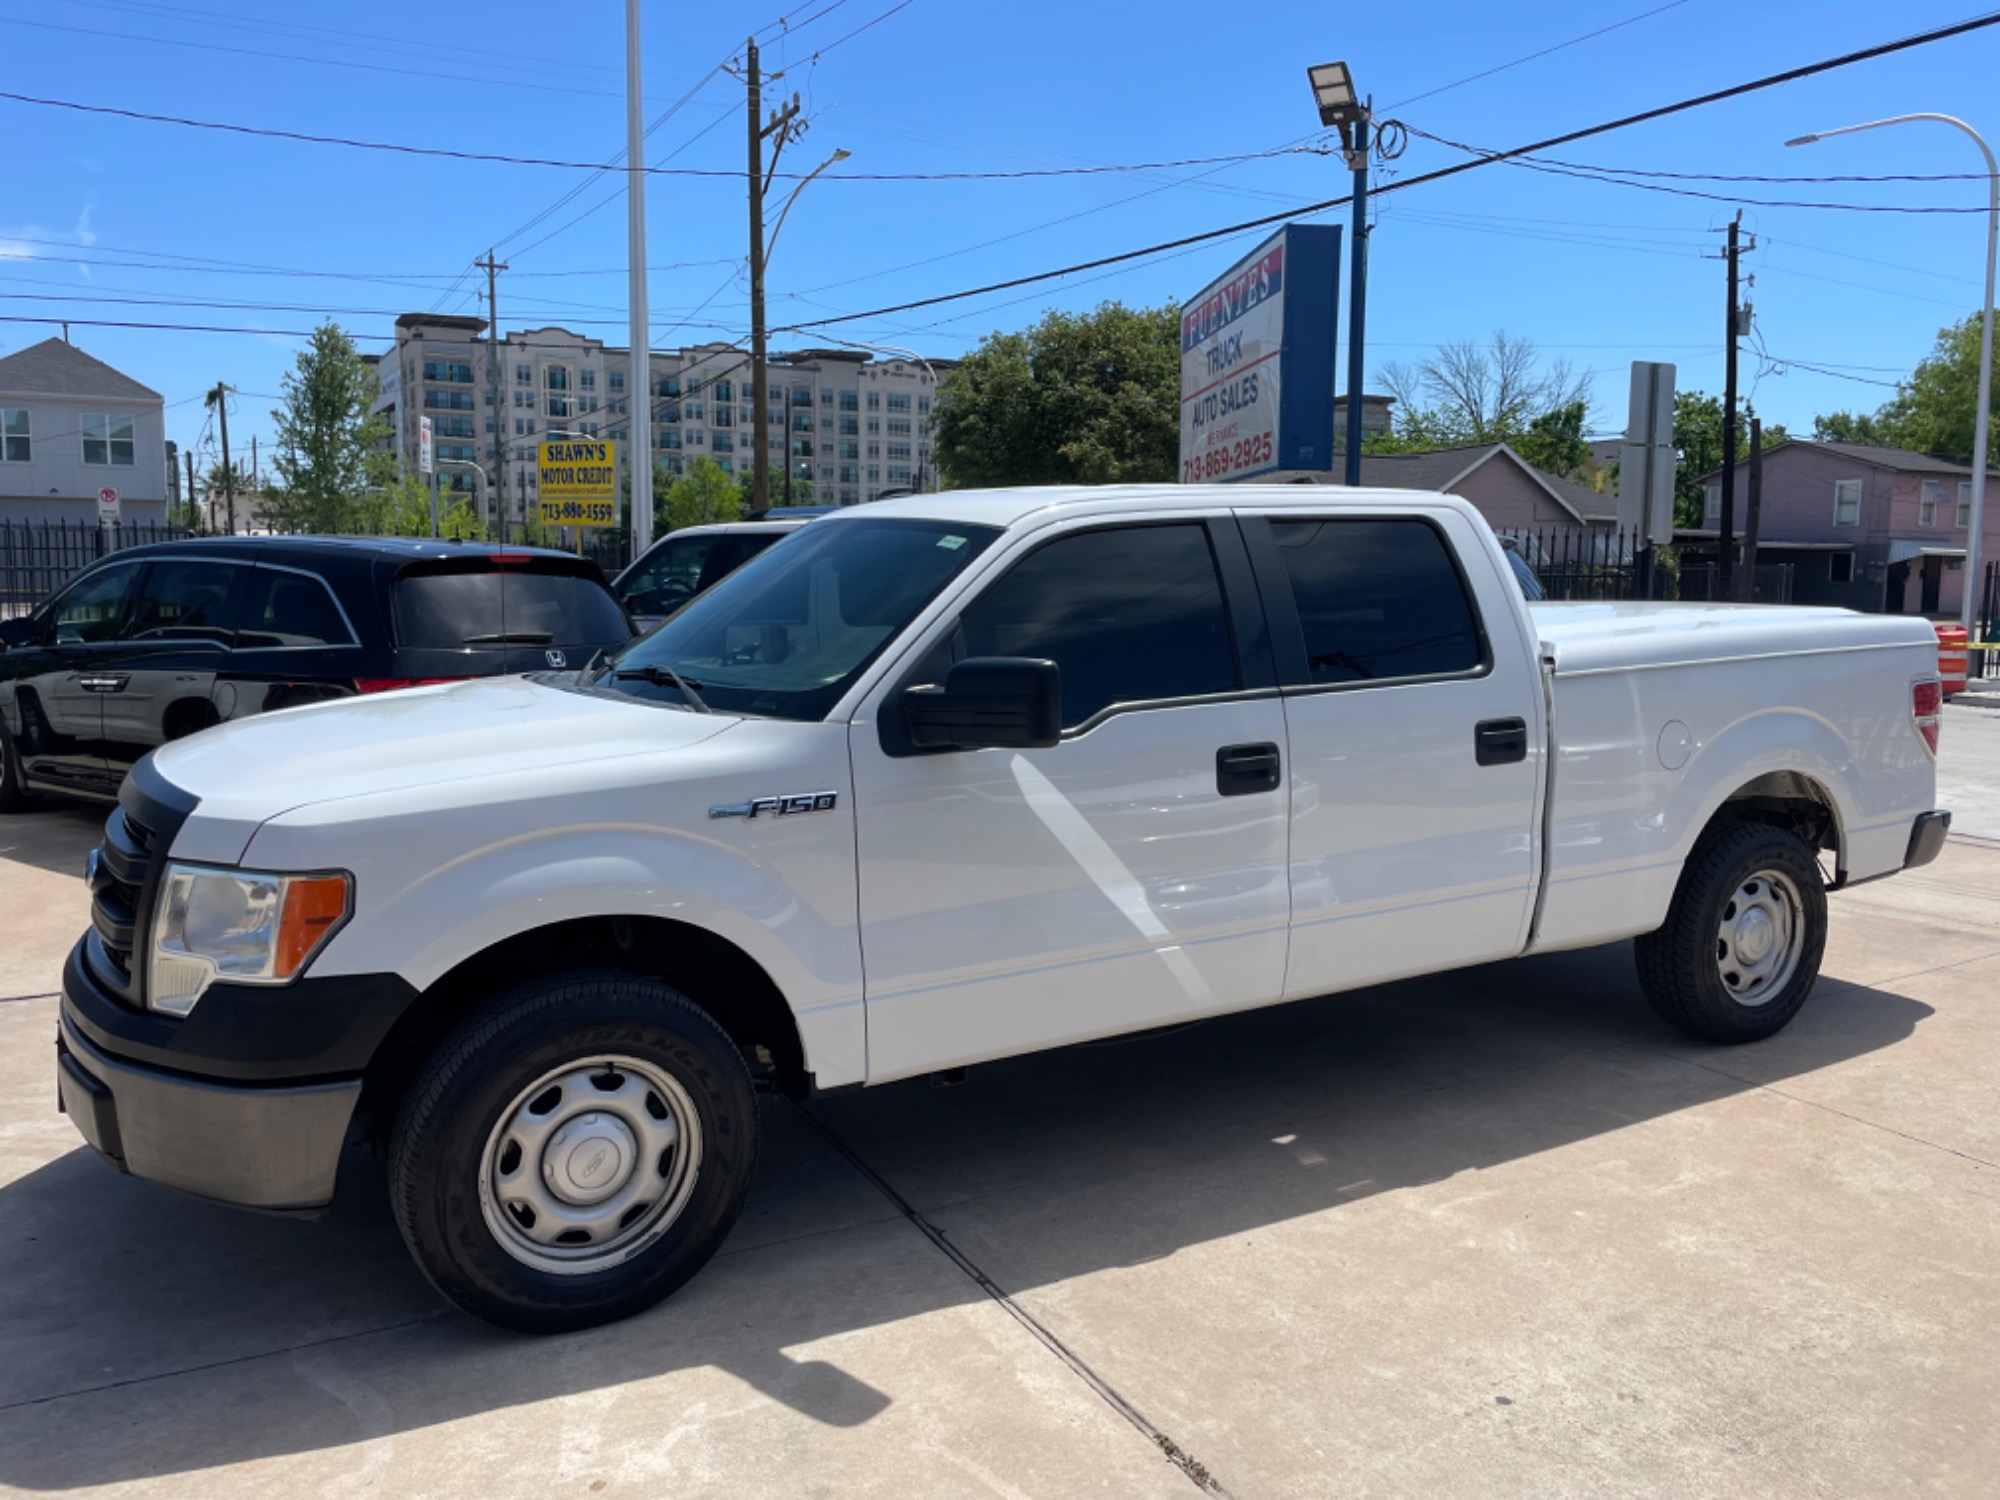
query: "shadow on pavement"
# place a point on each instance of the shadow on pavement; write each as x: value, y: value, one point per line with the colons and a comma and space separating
x: 54, y: 835
x: 309, y: 1336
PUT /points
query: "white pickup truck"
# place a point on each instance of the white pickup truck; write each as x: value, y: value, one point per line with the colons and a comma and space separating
x: 942, y: 780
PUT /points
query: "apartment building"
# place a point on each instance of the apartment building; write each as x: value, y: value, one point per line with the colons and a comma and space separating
x: 841, y: 427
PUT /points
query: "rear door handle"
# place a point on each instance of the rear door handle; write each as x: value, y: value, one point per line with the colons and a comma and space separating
x: 1243, y: 769
x: 1500, y: 742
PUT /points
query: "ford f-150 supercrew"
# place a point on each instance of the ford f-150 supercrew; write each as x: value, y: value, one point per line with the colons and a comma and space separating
x: 941, y: 780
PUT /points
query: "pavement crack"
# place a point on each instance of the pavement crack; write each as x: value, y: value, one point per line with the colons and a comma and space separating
x: 1197, y: 1472
x: 10, y: 999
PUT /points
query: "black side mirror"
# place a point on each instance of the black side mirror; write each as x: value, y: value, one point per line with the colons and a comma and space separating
x: 19, y: 631
x: 999, y: 702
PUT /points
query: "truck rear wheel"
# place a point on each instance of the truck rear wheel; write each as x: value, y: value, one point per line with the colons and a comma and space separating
x: 1741, y: 946
x: 573, y: 1154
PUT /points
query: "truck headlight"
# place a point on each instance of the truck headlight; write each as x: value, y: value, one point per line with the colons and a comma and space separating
x: 239, y: 926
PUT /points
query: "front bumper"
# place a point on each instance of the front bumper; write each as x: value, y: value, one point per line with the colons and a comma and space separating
x: 274, y: 1148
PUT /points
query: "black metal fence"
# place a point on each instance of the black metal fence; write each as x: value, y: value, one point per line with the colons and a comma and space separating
x: 1572, y: 563
x: 39, y: 557
x: 1987, y: 663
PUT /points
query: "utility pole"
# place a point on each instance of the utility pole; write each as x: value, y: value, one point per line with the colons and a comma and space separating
x: 1357, y: 297
x: 1746, y: 590
x: 498, y: 488
x: 192, y: 498
x: 221, y: 394
x: 1726, y: 544
x: 639, y: 435
x: 780, y: 128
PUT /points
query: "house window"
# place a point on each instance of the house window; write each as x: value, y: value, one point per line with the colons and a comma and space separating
x: 107, y: 438
x: 14, y: 434
x: 1928, y: 502
x: 1847, y: 502
x: 1840, y: 567
x: 1964, y: 519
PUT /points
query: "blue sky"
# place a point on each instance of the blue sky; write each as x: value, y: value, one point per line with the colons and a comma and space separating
x: 94, y: 208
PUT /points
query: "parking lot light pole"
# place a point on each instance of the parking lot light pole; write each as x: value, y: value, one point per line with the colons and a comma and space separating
x: 1969, y: 592
x: 1341, y: 108
x: 485, y: 490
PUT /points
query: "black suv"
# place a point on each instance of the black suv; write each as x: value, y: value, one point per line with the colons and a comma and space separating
x: 156, y: 642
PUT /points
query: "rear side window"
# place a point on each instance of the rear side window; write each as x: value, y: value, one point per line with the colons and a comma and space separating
x: 450, y: 611
x: 283, y: 609
x: 1130, y: 614
x: 672, y: 575
x: 1378, y: 599
x: 186, y: 599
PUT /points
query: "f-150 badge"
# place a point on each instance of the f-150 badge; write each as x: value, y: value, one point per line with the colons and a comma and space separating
x: 778, y: 807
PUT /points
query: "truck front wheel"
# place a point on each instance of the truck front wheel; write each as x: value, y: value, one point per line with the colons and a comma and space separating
x: 574, y: 1153
x: 1742, y: 942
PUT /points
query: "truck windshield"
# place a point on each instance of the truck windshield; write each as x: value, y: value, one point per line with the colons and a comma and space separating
x: 788, y: 632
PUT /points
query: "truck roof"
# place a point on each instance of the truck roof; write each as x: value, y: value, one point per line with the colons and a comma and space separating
x: 1009, y: 507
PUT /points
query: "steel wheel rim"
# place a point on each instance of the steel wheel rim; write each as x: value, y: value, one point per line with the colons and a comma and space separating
x: 589, y: 1164
x: 1760, y: 937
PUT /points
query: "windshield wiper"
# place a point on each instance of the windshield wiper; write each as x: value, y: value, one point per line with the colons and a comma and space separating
x: 511, y: 638
x: 667, y: 677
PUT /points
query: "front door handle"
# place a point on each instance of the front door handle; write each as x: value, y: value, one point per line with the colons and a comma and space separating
x: 1500, y: 742
x: 1243, y: 769
x: 104, y: 682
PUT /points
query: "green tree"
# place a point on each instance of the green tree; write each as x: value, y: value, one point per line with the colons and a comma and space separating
x: 401, y: 507
x: 1554, y: 441
x: 700, y: 497
x: 1698, y: 449
x: 329, y: 452
x: 1931, y: 412
x: 1079, y: 398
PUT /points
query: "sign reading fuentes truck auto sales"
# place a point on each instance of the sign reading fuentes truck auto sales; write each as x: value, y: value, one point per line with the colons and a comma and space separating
x: 1257, y: 361
x: 576, y: 483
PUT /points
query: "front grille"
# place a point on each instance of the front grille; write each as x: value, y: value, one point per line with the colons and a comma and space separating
x: 125, y: 879
x: 118, y: 888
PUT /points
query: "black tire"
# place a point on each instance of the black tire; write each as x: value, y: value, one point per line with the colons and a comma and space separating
x: 436, y: 1152
x: 14, y: 794
x: 1681, y: 968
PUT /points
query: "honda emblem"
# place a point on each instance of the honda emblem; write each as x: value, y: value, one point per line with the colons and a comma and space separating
x: 556, y: 659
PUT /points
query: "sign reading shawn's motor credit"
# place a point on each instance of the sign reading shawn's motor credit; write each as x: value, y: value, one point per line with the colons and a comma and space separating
x: 1231, y: 337
x: 577, y: 483
x: 1255, y: 397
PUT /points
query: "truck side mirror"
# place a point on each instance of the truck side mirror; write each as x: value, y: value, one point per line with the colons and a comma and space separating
x: 998, y: 702
x: 19, y: 631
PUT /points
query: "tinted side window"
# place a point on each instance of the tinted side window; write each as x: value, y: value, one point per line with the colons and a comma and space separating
x: 1377, y: 599
x: 288, y: 609
x: 189, y: 599
x: 91, y: 609
x: 1129, y: 614
x: 451, y: 611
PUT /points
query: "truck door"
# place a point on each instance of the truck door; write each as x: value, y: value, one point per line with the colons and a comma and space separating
x: 1413, y: 708
x: 1133, y: 874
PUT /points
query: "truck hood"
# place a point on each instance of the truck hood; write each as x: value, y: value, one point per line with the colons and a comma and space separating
x: 251, y: 770
x: 1601, y: 637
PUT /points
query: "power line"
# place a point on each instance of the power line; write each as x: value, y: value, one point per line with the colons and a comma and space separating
x: 1536, y: 56
x: 510, y: 342
x: 1771, y: 80
x: 404, y: 148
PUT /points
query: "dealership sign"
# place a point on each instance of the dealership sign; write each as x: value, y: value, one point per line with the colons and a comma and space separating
x: 1257, y: 361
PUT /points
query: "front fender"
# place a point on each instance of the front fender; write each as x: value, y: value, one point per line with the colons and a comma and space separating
x: 436, y: 885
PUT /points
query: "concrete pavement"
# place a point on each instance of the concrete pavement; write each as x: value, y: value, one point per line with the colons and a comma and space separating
x: 1490, y: 1234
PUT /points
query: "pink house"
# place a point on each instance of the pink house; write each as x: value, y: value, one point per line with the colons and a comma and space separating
x: 1513, y: 495
x: 1876, y: 529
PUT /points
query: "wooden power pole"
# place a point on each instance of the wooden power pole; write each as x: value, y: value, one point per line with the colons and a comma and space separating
x: 493, y: 268
x: 780, y: 127
x: 1746, y: 589
x: 192, y: 499
x: 221, y: 397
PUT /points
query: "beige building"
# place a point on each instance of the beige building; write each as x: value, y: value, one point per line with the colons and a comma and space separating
x: 841, y: 427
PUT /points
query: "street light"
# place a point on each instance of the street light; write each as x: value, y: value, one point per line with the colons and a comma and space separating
x: 1969, y: 601
x: 772, y: 243
x: 1341, y: 108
